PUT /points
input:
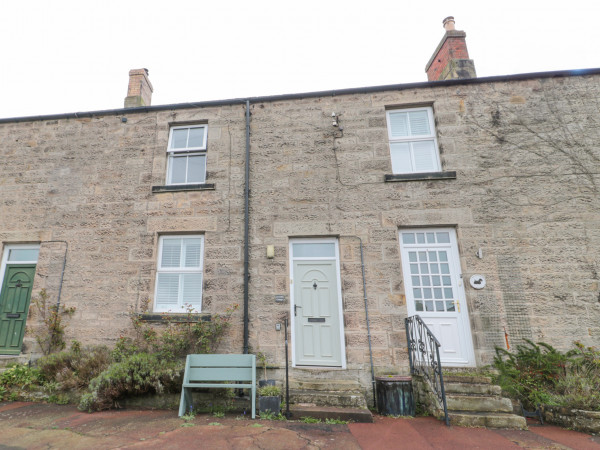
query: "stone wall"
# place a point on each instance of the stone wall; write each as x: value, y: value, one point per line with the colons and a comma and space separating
x: 526, y: 157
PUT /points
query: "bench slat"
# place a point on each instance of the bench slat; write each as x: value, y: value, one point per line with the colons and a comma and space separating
x: 220, y: 360
x: 217, y: 385
x: 218, y: 374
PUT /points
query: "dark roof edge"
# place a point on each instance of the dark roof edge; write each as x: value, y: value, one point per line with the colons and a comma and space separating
x: 329, y: 93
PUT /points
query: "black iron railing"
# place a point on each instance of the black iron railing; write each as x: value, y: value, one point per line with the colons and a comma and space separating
x: 424, y: 358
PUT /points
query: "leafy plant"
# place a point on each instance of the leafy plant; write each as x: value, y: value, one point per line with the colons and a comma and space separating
x: 188, y: 416
x: 269, y: 391
x: 219, y: 414
x: 21, y: 376
x: 531, y: 372
x: 267, y: 415
x: 309, y: 420
x: 336, y: 422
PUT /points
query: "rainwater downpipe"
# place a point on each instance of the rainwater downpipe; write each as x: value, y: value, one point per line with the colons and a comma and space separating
x: 246, y: 226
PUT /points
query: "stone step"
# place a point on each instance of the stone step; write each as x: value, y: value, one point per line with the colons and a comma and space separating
x: 488, y: 420
x: 466, y: 379
x: 309, y: 397
x: 361, y: 415
x: 7, y: 360
x: 472, y: 388
x: 479, y: 403
x: 325, y: 385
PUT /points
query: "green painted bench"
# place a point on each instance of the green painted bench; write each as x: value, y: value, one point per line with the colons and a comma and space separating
x: 218, y: 371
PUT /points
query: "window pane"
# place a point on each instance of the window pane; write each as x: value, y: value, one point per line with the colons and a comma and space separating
x: 416, y: 281
x: 171, y: 253
x: 419, y: 123
x: 424, y: 268
x: 424, y: 156
x: 417, y: 293
x: 408, y: 238
x: 179, y: 138
x: 196, y: 169
x: 196, y: 137
x: 419, y: 305
x: 448, y: 293
x: 426, y: 280
x: 434, y: 268
x: 177, y: 166
x: 192, y: 251
x: 431, y: 238
x: 443, y: 256
x: 324, y: 250
x: 23, y: 254
x: 420, y: 238
x: 398, y: 124
x: 445, y: 268
x: 439, y: 306
x: 192, y: 288
x: 433, y: 256
x: 446, y: 281
x: 429, y: 305
x: 422, y: 256
x: 414, y: 268
x: 437, y: 293
x: 400, y: 153
x: 450, y: 305
x: 443, y: 237
x: 168, y: 289
x: 412, y: 256
x: 435, y: 280
x: 427, y: 293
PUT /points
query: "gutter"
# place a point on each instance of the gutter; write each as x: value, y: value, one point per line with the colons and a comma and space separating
x: 327, y: 93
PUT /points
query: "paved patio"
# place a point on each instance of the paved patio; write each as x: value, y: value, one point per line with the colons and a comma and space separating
x: 38, y: 425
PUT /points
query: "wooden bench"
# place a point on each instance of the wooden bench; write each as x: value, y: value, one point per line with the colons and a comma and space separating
x: 218, y: 371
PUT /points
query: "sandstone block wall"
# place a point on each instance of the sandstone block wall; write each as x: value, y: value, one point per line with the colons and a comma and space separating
x: 526, y: 193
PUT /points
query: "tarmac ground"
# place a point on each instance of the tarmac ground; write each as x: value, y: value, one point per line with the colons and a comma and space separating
x: 39, y: 425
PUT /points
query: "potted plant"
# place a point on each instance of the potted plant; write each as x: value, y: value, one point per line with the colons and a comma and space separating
x: 269, y: 399
x: 262, y: 358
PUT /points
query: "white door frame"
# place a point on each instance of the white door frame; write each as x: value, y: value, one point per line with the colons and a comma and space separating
x: 339, y: 292
x: 463, y: 319
x: 6, y: 250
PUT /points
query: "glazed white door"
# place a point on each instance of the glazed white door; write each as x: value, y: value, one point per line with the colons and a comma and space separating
x: 435, y: 291
x: 316, y: 306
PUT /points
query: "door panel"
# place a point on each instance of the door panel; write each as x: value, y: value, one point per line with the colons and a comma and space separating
x: 15, y: 296
x: 316, y: 320
x: 434, y: 290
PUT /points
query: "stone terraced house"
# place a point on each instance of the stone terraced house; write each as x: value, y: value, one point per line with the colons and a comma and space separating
x: 472, y: 202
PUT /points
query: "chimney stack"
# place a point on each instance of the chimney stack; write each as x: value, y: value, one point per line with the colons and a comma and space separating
x: 139, y: 92
x: 450, y: 61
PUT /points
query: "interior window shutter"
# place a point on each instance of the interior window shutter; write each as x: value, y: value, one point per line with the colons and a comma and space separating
x: 424, y: 156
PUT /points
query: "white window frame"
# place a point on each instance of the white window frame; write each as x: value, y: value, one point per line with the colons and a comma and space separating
x: 185, y: 152
x: 180, y: 307
x: 410, y: 139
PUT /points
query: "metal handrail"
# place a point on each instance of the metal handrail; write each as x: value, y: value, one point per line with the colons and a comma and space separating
x: 424, y: 358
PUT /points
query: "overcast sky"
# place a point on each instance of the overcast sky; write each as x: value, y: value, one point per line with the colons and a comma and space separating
x: 62, y: 56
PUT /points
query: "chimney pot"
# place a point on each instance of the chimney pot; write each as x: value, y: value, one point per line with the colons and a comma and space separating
x: 449, y: 23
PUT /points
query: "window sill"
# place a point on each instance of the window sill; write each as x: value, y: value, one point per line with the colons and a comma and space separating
x: 422, y: 176
x: 184, y: 187
x: 173, y: 317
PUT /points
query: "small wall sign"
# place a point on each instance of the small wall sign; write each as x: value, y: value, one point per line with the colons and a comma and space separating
x: 477, y: 281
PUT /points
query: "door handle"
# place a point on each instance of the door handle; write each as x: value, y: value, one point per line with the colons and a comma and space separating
x: 458, y: 304
x: 296, y: 306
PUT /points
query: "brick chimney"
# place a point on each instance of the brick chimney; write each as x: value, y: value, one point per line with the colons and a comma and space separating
x: 139, y: 92
x: 450, y: 60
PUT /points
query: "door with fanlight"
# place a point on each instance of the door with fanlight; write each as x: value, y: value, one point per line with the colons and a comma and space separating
x: 435, y: 291
x: 317, y: 329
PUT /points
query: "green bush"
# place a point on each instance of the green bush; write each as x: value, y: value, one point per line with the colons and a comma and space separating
x: 134, y: 375
x: 20, y: 376
x: 539, y: 374
x: 74, y: 369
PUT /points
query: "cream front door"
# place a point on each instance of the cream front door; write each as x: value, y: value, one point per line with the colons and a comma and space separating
x: 435, y: 291
x: 316, y: 304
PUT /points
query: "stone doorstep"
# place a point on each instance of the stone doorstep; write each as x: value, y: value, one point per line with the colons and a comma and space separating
x: 325, y: 385
x: 359, y: 415
x: 469, y: 379
x: 351, y: 399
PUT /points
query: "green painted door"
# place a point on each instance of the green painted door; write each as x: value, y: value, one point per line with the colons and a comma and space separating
x: 317, y: 321
x: 14, y: 306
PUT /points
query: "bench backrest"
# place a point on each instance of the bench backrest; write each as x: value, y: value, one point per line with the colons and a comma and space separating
x: 200, y: 368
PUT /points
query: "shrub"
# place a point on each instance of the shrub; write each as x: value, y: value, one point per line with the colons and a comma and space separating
x: 20, y: 376
x: 134, y: 375
x: 75, y: 368
x: 269, y: 391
